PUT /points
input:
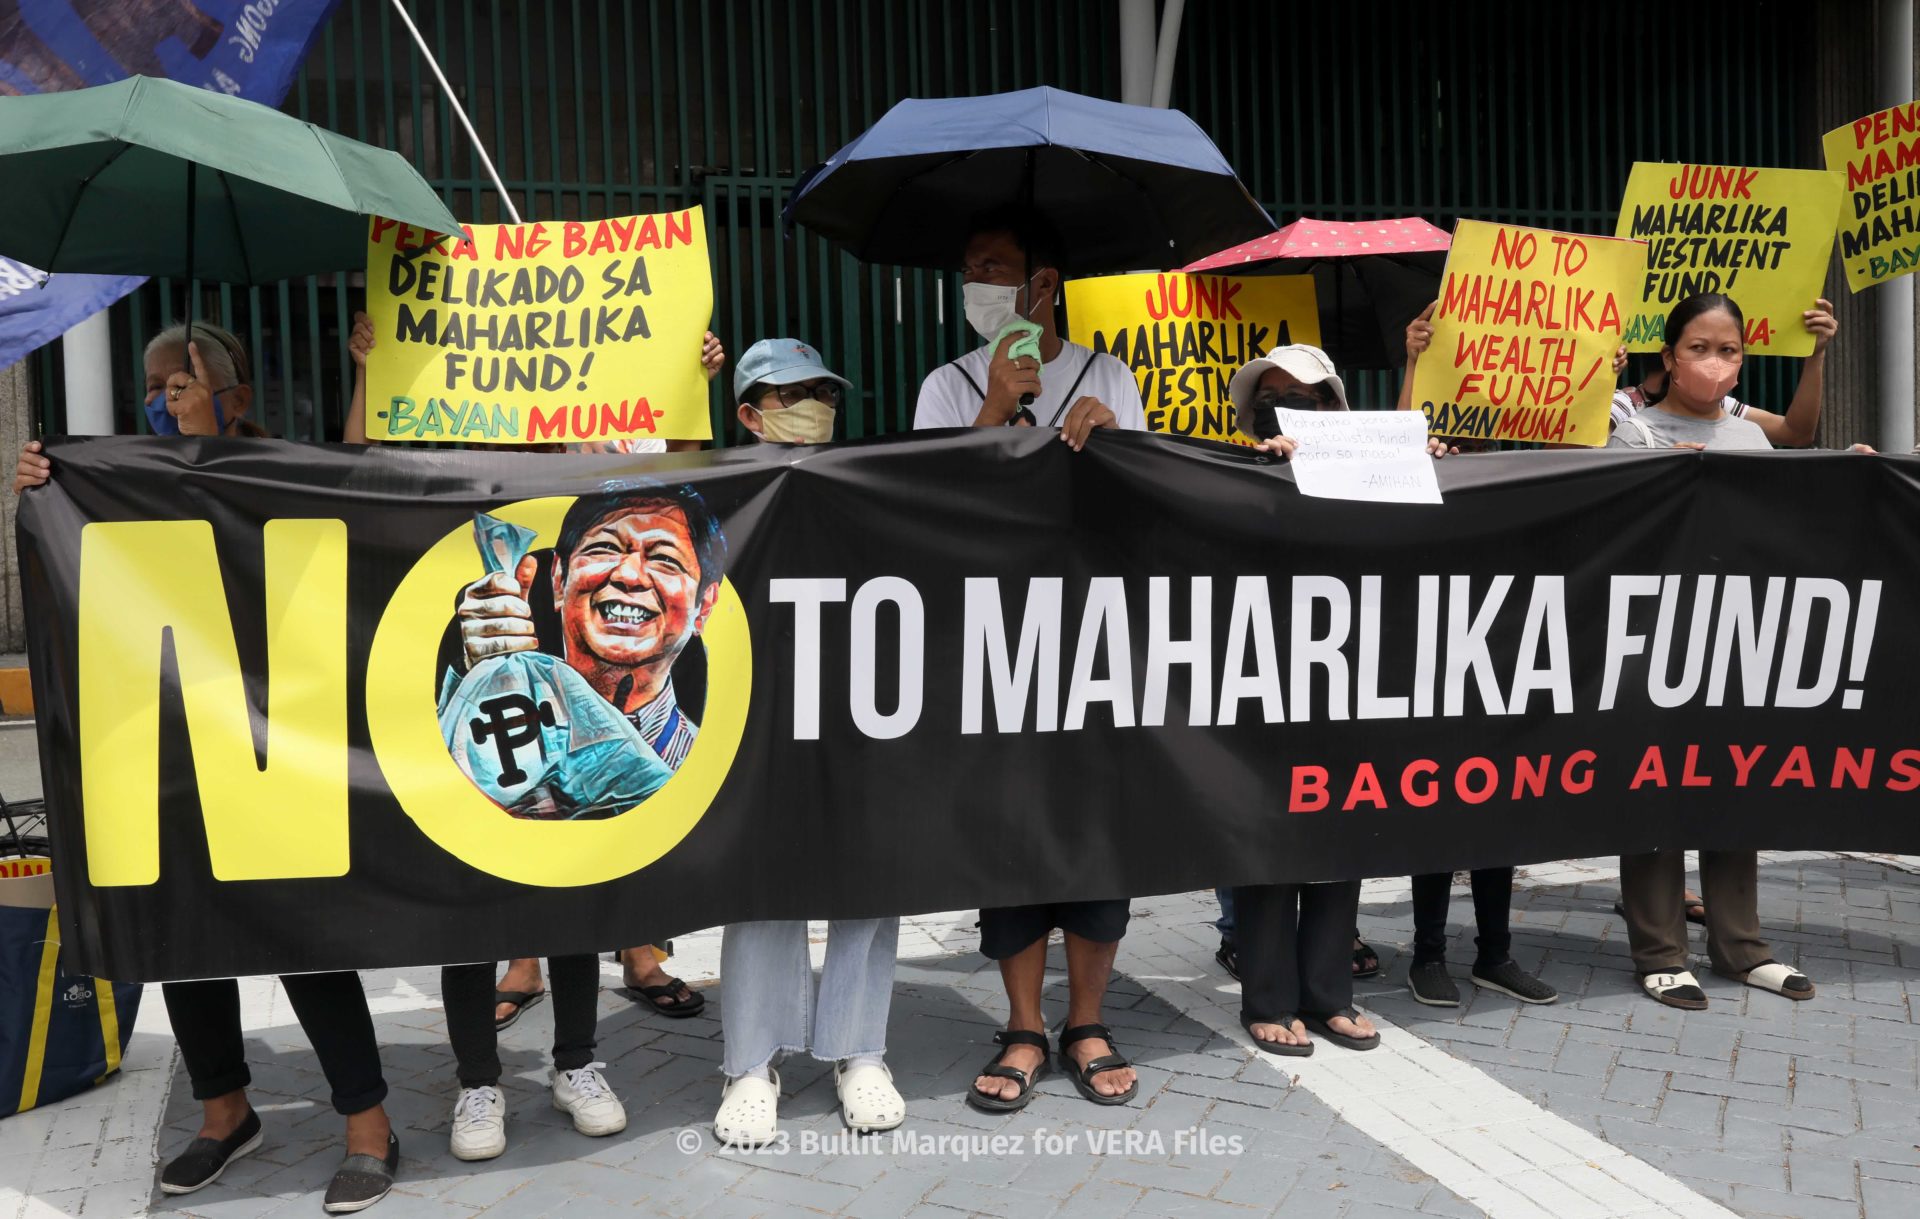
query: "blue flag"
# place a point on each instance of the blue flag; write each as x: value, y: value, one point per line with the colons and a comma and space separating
x: 248, y: 48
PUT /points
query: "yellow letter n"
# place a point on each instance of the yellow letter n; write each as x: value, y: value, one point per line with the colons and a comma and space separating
x: 140, y: 581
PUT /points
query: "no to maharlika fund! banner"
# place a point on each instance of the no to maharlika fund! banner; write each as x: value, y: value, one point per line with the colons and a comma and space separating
x: 1524, y: 334
x: 920, y: 673
x: 564, y: 332
x: 1184, y: 336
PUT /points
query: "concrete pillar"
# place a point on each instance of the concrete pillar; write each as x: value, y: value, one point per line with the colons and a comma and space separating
x: 16, y: 428
x: 1845, y: 36
x: 1894, y: 87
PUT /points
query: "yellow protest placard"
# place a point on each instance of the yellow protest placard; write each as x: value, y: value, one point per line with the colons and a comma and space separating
x: 1876, y: 161
x: 1184, y: 336
x: 1760, y: 236
x: 1524, y: 334
x: 550, y: 332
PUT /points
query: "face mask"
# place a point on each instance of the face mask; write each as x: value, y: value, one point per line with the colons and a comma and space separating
x: 1704, y: 381
x: 162, y: 421
x: 1266, y: 423
x: 809, y: 421
x: 991, y: 306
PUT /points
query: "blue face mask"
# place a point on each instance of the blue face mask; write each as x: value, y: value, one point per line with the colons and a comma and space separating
x: 161, y: 420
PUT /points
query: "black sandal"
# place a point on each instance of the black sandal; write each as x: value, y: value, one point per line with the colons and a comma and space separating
x: 1302, y: 1049
x: 1229, y: 958
x: 1007, y: 1038
x: 1323, y: 1025
x: 1082, y: 1077
x: 521, y: 1000
x: 1366, y: 962
x: 684, y: 1001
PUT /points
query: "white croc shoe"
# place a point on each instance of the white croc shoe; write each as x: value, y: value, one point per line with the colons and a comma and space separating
x: 749, y: 1111
x: 868, y: 1099
x: 479, y: 1124
x: 584, y: 1096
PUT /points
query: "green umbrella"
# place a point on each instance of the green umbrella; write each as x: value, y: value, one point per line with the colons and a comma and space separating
x: 153, y: 177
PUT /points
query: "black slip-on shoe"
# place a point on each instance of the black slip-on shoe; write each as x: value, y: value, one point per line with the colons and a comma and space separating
x: 1432, y: 985
x: 362, y: 1180
x: 1509, y: 979
x: 201, y: 1164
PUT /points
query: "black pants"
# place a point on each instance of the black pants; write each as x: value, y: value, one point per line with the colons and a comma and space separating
x: 332, y: 1009
x: 1296, y: 948
x: 1492, y: 915
x: 466, y: 991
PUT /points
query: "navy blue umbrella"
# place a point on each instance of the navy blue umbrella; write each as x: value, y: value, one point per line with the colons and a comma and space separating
x: 1125, y: 187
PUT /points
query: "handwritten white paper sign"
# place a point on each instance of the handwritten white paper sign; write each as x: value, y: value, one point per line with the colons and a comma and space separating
x: 1379, y: 456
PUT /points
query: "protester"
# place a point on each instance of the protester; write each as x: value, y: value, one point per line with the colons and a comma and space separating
x: 577, y: 1087
x: 1493, y: 967
x: 1011, y: 272
x: 213, y: 400
x: 787, y: 395
x: 1793, y: 430
x: 1366, y: 961
x: 1705, y: 346
x: 1296, y: 967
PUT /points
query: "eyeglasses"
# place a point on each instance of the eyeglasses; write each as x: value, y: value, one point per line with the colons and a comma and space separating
x: 829, y: 392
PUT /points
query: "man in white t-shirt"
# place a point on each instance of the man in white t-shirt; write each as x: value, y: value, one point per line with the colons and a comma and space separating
x: 1009, y: 273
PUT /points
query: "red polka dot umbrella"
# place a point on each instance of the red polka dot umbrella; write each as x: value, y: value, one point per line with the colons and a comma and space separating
x: 1371, y: 277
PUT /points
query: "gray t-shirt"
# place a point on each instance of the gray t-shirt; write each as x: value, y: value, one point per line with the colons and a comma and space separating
x: 1668, y: 429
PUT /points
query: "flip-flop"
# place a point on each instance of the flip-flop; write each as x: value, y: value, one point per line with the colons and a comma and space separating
x: 679, y: 1009
x: 1323, y: 1025
x: 1298, y: 1049
x: 521, y: 1000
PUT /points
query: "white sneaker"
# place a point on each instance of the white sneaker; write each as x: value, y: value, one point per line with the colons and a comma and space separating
x: 585, y: 1096
x: 749, y: 1109
x: 868, y: 1099
x: 479, y: 1124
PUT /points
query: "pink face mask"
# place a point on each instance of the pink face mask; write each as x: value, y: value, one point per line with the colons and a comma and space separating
x: 1704, y: 381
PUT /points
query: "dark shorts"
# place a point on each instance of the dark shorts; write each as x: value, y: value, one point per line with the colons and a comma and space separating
x: 1005, y: 930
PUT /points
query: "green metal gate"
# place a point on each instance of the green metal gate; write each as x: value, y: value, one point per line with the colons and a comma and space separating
x: 590, y: 108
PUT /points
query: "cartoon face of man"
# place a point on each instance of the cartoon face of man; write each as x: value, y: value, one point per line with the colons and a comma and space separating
x: 631, y: 593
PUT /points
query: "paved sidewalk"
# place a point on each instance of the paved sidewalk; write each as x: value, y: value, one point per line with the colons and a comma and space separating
x: 1601, y: 1105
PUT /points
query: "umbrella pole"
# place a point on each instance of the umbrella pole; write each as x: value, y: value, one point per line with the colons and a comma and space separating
x: 193, y: 169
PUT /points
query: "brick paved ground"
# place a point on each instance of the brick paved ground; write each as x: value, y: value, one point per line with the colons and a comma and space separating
x: 1754, y: 1107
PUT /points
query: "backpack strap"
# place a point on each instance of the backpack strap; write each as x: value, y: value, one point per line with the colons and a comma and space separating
x: 969, y: 380
x: 1639, y: 425
x: 1067, y: 401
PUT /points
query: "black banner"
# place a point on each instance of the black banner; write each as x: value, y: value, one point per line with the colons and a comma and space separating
x: 280, y: 730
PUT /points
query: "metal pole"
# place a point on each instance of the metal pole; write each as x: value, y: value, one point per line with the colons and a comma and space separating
x: 459, y: 111
x: 1893, y: 86
x: 1136, y: 51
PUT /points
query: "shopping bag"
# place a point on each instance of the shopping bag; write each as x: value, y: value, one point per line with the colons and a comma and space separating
x: 61, y: 1032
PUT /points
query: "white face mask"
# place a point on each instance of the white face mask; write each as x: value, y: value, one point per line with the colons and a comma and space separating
x: 991, y: 306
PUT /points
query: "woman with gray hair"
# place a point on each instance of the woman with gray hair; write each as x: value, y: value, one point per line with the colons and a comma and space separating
x: 201, y: 387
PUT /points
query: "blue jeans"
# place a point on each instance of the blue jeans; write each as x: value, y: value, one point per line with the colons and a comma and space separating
x: 1225, y: 921
x: 770, y: 1004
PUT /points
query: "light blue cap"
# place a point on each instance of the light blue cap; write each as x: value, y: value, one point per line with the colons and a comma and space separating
x: 780, y: 362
